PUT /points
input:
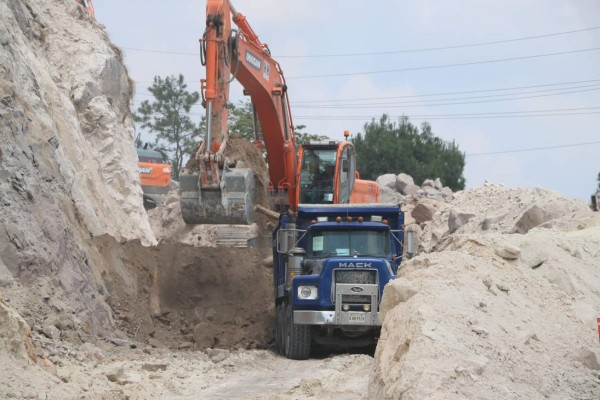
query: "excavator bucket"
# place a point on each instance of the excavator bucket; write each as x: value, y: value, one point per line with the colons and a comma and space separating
x: 233, y: 203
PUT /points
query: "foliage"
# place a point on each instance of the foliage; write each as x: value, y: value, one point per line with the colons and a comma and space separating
x: 241, y: 122
x: 168, y: 116
x: 598, y: 179
x: 302, y: 137
x: 387, y: 147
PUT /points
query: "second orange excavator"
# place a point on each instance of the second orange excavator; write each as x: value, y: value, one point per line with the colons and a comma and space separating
x: 218, y: 192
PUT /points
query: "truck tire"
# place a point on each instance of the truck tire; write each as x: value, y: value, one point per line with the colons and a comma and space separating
x: 297, y: 337
x: 280, y: 327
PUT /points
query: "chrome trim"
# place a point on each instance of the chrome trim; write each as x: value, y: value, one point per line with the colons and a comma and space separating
x: 303, y: 317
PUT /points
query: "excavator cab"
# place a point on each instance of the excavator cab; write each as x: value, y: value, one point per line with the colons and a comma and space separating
x: 327, y: 173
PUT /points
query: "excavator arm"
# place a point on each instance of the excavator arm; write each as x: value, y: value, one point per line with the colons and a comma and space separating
x: 221, y: 193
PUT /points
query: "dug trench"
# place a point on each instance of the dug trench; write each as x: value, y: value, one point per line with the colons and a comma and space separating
x: 178, y: 296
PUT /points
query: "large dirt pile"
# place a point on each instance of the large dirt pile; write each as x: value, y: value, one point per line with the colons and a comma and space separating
x: 505, y: 307
x: 74, y: 256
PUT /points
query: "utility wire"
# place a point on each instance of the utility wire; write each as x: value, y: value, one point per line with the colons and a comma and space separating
x: 448, y: 104
x: 444, y: 65
x: 531, y: 149
x: 432, y: 118
x: 435, y: 101
x: 444, y: 93
x: 386, y: 52
x: 299, y: 104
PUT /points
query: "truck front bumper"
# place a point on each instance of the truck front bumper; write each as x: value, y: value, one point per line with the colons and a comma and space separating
x: 304, y: 317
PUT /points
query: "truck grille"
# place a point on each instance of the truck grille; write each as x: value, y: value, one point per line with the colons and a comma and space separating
x: 357, y: 276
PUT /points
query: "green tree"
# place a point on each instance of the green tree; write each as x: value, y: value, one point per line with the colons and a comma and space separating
x: 168, y: 116
x: 396, y: 147
x: 598, y: 179
x: 241, y: 121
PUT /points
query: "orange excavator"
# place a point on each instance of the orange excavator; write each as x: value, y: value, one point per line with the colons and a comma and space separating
x: 89, y: 7
x: 218, y: 192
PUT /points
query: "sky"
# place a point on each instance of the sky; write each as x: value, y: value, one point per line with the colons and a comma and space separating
x: 503, y: 77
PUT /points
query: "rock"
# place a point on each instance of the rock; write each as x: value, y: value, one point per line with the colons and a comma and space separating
x: 438, y: 184
x: 530, y: 218
x: 431, y: 192
x: 15, y: 335
x: 217, y: 355
x: 123, y: 342
x: 410, y: 190
x: 388, y: 195
x: 387, y: 180
x: 447, y: 193
x: 398, y: 291
x: 154, y: 367
x: 186, y: 346
x: 402, y: 181
x: 122, y: 377
x: 502, y: 287
x: 51, y: 332
x: 588, y: 358
x: 480, y: 331
x: 428, y: 183
x: 456, y: 219
x: 509, y: 252
x: 423, y: 212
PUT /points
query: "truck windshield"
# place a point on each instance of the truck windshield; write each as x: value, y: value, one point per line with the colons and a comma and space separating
x: 316, y: 176
x: 349, y: 243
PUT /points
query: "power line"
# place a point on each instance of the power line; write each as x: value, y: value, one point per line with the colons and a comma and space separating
x: 531, y: 149
x: 445, y: 65
x: 440, y: 48
x: 552, y: 110
x: 305, y: 104
x: 434, y: 102
x: 352, y: 118
x: 424, y: 104
x: 385, y: 52
x: 446, y: 93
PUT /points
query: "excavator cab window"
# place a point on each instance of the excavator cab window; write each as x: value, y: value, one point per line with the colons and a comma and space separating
x: 317, y: 175
x: 347, y: 174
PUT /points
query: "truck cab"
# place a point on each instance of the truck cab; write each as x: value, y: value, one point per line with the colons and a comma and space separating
x: 332, y: 263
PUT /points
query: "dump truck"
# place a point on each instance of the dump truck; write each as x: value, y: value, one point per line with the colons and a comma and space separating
x: 331, y: 264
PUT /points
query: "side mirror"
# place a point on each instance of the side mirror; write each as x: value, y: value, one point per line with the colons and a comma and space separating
x: 410, y: 244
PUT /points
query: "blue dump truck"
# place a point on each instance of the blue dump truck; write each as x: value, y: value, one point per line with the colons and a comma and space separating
x: 331, y: 263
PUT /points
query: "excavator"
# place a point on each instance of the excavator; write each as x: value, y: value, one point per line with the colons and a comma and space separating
x: 89, y: 7
x: 215, y: 191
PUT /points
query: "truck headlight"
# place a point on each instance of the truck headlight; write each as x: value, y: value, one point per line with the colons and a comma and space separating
x: 308, y: 292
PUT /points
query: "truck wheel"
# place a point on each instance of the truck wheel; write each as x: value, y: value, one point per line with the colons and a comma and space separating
x: 280, y: 327
x: 297, y: 337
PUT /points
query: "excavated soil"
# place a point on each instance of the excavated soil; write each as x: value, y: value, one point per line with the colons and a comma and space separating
x: 179, y: 296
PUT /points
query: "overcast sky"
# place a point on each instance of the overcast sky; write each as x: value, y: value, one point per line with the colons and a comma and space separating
x: 537, y: 86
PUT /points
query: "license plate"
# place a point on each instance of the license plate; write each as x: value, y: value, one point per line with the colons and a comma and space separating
x: 356, y: 317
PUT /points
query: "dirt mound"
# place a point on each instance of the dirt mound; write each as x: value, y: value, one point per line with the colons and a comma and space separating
x: 180, y: 296
x: 496, y: 314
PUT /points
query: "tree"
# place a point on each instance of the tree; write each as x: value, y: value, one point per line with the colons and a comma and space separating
x: 240, y: 121
x: 388, y: 146
x: 168, y: 116
x: 598, y: 179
